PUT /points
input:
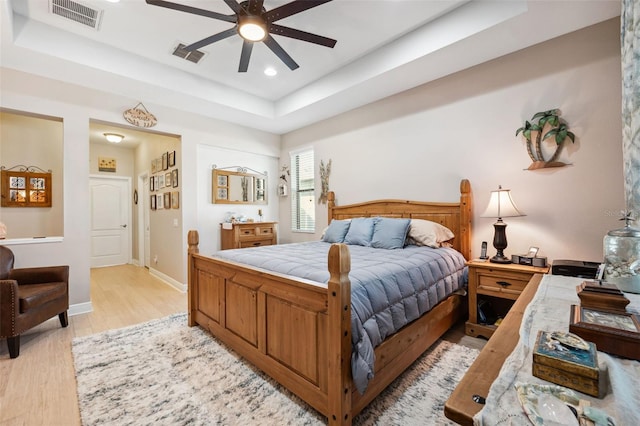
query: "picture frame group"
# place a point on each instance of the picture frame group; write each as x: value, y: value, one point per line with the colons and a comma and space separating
x: 164, y: 181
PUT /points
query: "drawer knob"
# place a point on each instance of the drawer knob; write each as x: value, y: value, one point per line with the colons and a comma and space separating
x: 503, y: 283
x: 257, y: 243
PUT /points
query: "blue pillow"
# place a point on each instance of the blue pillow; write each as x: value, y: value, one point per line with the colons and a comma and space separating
x: 336, y: 231
x: 360, y: 231
x: 390, y: 233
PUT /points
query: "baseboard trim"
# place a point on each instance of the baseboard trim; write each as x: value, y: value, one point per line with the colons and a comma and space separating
x: 80, y: 308
x: 168, y: 280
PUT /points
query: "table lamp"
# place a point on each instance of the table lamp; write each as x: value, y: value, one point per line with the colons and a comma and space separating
x: 501, y: 205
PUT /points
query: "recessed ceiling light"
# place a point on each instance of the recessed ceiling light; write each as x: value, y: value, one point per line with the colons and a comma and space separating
x: 113, y: 137
x: 113, y: 1
x: 270, y: 71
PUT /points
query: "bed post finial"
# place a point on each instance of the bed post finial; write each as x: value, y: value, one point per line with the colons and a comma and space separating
x: 193, y: 239
x: 339, y: 336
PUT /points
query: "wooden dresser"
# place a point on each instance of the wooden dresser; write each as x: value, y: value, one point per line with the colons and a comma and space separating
x: 254, y: 234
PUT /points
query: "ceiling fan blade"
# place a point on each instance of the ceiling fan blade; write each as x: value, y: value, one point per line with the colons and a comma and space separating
x: 247, y: 46
x: 280, y: 53
x: 193, y: 10
x: 301, y: 35
x: 211, y: 39
x: 292, y: 8
x: 233, y: 4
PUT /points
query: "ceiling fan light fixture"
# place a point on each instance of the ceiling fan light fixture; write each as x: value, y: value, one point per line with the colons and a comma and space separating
x: 113, y: 137
x: 252, y: 28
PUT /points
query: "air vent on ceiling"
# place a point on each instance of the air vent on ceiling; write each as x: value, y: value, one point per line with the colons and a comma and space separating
x: 76, y: 12
x: 193, y: 56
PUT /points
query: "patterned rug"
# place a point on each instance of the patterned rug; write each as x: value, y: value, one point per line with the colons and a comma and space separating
x: 163, y: 372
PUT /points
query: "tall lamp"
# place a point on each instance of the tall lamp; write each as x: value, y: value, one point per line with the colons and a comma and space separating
x: 501, y: 205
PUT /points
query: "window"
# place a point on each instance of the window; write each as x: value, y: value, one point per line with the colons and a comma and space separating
x: 302, y: 192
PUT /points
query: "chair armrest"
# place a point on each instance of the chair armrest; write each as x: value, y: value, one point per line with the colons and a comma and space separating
x: 8, y: 307
x: 45, y: 274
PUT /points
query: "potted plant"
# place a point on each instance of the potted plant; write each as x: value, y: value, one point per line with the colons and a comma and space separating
x: 555, y: 127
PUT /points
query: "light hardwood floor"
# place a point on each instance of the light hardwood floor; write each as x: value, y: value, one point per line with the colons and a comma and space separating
x: 39, y: 387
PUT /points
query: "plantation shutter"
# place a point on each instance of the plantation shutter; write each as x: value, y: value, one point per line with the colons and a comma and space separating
x: 303, y: 217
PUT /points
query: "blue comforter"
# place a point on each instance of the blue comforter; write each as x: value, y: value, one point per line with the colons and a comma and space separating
x: 389, y: 288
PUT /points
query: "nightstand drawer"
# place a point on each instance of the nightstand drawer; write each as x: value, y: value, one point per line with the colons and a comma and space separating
x: 491, y: 284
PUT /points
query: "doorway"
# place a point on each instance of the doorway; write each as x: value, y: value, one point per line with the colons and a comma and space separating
x: 110, y: 220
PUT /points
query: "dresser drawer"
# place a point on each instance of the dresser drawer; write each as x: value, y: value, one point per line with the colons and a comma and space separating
x: 504, y: 285
x: 256, y: 243
x: 251, y: 232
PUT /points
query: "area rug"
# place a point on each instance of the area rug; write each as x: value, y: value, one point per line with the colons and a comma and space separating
x: 164, y: 372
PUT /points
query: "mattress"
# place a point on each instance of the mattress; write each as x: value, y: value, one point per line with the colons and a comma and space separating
x: 389, y: 288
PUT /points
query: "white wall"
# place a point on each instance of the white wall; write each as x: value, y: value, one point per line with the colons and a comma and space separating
x: 420, y: 143
x: 77, y: 106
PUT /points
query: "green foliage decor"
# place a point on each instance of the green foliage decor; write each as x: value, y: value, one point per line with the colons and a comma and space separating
x: 555, y: 127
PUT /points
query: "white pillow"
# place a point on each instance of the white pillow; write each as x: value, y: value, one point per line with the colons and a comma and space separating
x: 426, y: 233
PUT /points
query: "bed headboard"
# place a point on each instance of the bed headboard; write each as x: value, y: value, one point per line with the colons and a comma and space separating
x: 455, y: 216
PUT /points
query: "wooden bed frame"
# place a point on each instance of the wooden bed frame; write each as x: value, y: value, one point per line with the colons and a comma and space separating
x: 299, y: 331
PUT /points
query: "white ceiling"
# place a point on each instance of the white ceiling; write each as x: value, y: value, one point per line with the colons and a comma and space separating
x: 383, y: 47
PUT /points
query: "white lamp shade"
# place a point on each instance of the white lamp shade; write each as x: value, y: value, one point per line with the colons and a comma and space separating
x: 501, y: 205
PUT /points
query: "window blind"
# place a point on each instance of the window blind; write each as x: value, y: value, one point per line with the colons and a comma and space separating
x: 303, y: 217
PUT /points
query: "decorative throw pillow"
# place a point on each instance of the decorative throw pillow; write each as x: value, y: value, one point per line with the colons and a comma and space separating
x: 390, y: 233
x: 426, y: 233
x: 360, y: 231
x: 336, y: 231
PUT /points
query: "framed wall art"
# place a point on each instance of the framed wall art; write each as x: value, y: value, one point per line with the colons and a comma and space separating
x: 160, y: 201
x: 152, y: 203
x: 172, y: 158
x: 25, y: 187
x: 174, y: 178
x: 175, y: 200
x: 165, y: 161
x: 106, y: 164
x: 167, y: 179
x: 167, y: 200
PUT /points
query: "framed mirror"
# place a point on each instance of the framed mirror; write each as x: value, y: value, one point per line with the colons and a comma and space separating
x: 238, y: 187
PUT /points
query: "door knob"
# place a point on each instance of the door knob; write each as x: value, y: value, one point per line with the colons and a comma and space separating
x: 124, y: 226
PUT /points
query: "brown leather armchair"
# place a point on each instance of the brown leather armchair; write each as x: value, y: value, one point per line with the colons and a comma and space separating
x: 29, y: 296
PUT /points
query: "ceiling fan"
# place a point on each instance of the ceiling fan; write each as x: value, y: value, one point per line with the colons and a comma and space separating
x: 254, y: 24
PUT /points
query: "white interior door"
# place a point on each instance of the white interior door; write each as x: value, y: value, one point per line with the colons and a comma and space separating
x: 110, y: 213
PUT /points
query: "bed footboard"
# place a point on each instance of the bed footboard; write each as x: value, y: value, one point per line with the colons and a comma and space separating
x: 296, y: 331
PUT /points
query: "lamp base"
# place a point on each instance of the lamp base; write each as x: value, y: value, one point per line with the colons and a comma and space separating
x: 500, y: 258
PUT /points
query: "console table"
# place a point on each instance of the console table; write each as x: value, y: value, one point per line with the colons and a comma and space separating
x: 460, y: 406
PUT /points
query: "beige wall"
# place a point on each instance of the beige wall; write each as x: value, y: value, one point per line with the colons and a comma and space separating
x: 420, y: 143
x: 33, y: 141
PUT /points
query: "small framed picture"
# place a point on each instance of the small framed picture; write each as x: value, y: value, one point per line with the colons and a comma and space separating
x: 222, y: 180
x: 222, y: 194
x: 165, y: 161
x: 160, y: 201
x: 172, y: 158
x: 175, y: 200
x: 153, y: 203
x: 167, y: 179
x: 152, y: 183
x: 174, y: 178
x: 160, y: 182
x: 158, y: 164
x: 626, y: 322
x: 153, y: 166
x: 167, y: 200
x: 533, y: 252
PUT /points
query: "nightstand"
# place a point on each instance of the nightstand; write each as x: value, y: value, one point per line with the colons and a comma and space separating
x: 496, y: 285
x: 250, y: 234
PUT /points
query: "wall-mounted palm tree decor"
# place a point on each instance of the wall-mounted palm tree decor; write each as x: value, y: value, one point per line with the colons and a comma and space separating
x: 545, y: 125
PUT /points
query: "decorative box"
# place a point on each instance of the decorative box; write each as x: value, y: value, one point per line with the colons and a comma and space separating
x: 612, y: 332
x: 567, y: 360
x: 602, y: 295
